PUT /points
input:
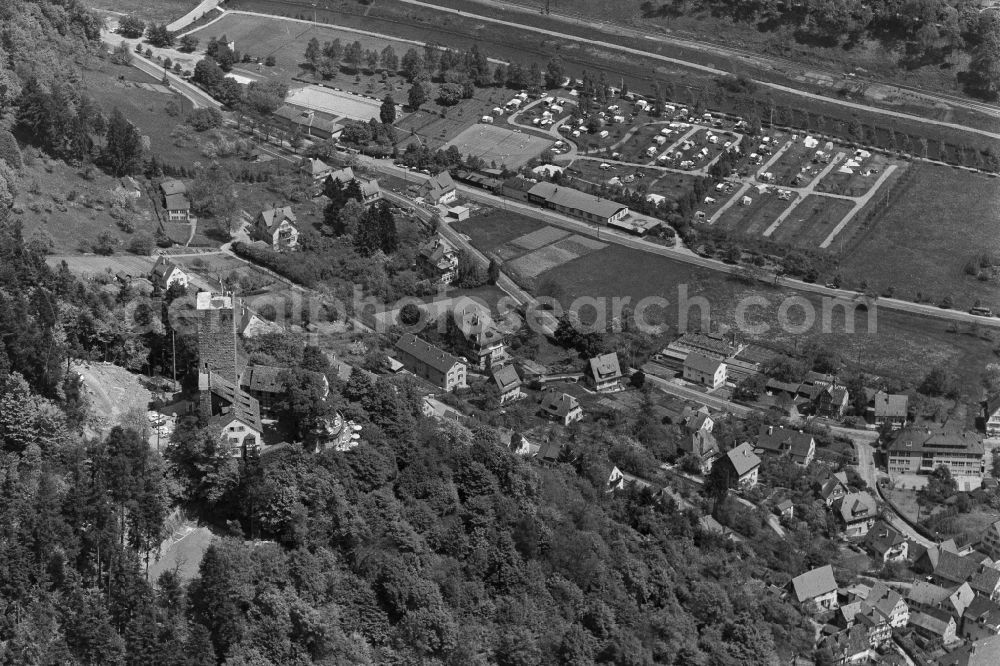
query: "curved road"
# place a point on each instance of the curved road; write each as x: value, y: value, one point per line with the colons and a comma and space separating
x: 708, y: 69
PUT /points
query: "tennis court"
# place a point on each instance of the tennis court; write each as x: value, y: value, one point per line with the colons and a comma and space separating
x: 499, y: 145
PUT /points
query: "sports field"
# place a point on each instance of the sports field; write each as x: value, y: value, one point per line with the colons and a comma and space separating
x: 336, y: 103
x: 496, y: 144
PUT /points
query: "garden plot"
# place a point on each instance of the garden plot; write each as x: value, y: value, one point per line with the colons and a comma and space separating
x: 539, y: 239
x: 555, y: 254
x: 499, y: 145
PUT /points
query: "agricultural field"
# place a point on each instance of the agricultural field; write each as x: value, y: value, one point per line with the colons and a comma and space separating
x: 939, y: 222
x: 811, y: 221
x: 499, y: 145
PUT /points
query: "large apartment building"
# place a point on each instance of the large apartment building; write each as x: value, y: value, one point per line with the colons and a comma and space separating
x: 919, y: 451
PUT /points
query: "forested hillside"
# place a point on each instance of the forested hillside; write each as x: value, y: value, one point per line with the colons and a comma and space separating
x: 427, y: 544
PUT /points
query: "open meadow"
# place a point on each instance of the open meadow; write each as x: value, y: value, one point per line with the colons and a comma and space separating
x: 941, y: 221
x: 810, y: 222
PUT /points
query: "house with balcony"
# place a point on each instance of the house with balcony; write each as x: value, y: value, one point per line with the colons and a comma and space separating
x: 276, y: 227
x: 798, y: 446
x: 439, y: 260
x: 508, y: 384
x: 428, y: 362
x: 991, y: 416
x: 484, y: 341
x: 857, y: 513
x: 560, y: 407
x: 604, y: 373
x: 742, y: 467
x: 175, y: 201
x: 885, y: 543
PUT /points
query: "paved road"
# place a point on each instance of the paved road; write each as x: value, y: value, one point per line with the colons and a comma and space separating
x: 701, y: 44
x: 197, y: 96
x: 193, y: 15
x: 688, y: 257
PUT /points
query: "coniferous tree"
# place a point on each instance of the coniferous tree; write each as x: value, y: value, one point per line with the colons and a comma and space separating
x: 123, y: 146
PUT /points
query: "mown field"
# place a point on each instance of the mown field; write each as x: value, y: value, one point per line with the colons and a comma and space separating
x: 934, y: 227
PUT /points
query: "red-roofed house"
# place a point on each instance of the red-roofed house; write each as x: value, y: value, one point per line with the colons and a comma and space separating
x: 704, y: 370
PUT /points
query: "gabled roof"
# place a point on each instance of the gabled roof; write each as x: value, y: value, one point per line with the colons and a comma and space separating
x: 992, y: 406
x: 838, y: 480
x: 172, y: 186
x: 698, y: 419
x: 436, y: 251
x: 506, y: 378
x: 890, y: 405
x: 985, y: 580
x: 883, y: 598
x: 814, y: 583
x: 851, y: 642
x: 605, y: 367
x: 437, y: 186
x: 274, y: 216
x: 263, y: 378
x: 559, y: 404
x: 773, y: 385
x: 701, y: 363
x: 857, y: 506
x: 314, y: 166
x: 568, y: 197
x: 176, y: 202
x: 927, y: 594
x: 242, y: 406
x: 426, y: 353
x: 743, y: 459
x: 703, y: 444
x: 932, y: 620
x: 162, y: 270
x: 882, y: 537
x: 777, y: 439
x: 985, y: 652
x: 954, y: 568
x: 920, y: 440
x: 344, y: 175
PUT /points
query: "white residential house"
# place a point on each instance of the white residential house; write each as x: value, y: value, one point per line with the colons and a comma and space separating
x: 703, y: 370
x: 991, y: 413
x: 166, y: 273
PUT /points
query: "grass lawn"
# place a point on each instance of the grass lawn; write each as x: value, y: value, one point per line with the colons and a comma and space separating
x: 286, y: 40
x: 943, y: 219
x: 811, y: 221
x: 437, y: 125
x: 755, y: 218
x: 855, y: 184
x: 792, y: 162
x: 113, y: 86
x: 495, y: 227
x: 906, y: 502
